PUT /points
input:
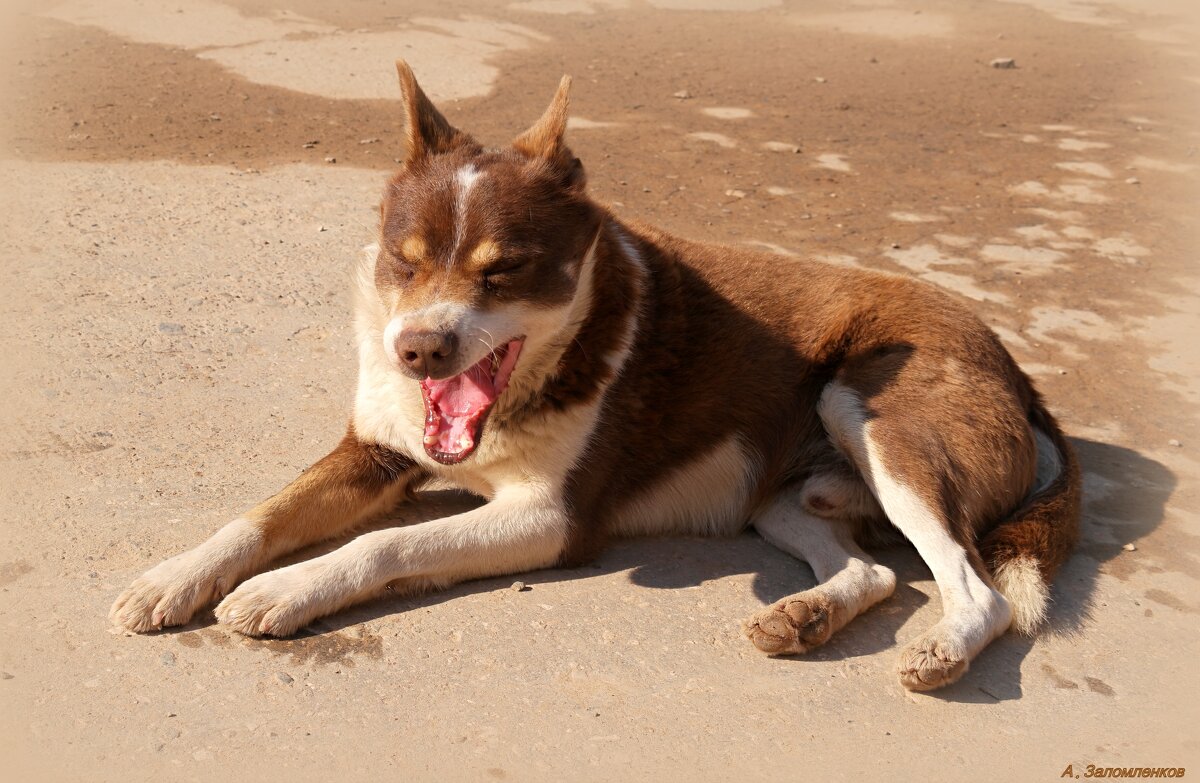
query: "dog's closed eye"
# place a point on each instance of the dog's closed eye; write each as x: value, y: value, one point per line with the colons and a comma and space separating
x: 503, y: 273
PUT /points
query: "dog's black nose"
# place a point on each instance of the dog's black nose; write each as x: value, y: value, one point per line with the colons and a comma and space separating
x: 427, y: 354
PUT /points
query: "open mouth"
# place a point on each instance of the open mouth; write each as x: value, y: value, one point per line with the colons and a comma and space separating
x: 456, y: 407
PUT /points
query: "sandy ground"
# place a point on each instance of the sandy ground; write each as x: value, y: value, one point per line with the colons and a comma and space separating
x: 186, y: 183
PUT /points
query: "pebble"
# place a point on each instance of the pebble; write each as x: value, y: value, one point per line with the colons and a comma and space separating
x: 5, y: 676
x: 1133, y: 181
x: 1173, y: 442
x: 167, y: 658
x: 1003, y: 62
x: 331, y: 159
x: 781, y: 146
x: 819, y: 79
x: 682, y: 95
x: 519, y: 587
x: 735, y: 193
x: 368, y: 141
x: 1130, y: 548
x: 308, y: 145
x: 284, y: 677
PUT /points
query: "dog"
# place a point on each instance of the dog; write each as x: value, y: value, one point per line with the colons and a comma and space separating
x: 592, y: 378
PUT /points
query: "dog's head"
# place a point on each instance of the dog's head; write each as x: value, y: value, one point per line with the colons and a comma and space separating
x: 484, y: 260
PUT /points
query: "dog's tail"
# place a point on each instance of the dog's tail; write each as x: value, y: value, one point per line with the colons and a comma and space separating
x: 1024, y: 552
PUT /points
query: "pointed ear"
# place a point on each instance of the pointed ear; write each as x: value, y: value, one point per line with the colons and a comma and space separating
x: 425, y: 128
x: 545, y: 138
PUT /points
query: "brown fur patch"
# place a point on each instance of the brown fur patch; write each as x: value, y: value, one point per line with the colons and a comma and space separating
x: 336, y: 493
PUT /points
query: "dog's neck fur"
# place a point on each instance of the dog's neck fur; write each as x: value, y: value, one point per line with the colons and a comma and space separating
x: 590, y: 351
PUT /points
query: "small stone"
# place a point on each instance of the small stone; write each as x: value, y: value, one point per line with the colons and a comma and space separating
x: 321, y: 228
x: 682, y: 95
x: 1003, y: 62
x: 735, y: 193
x: 170, y: 715
x: 1130, y: 547
x: 285, y: 678
x: 167, y: 658
x: 5, y: 676
x: 331, y: 159
x: 308, y: 145
x: 368, y: 141
x: 1133, y: 181
x: 1062, y: 372
x: 895, y: 246
x: 1174, y: 442
x: 819, y: 79
x: 169, y: 328
x: 519, y: 587
x: 781, y: 146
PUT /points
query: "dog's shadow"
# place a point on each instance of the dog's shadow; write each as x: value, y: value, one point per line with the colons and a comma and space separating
x: 1130, y: 492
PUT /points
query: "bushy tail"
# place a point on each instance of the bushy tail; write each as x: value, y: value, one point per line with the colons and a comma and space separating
x: 1024, y: 552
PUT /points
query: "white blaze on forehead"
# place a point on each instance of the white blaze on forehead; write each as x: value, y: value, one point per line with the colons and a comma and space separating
x: 464, y: 182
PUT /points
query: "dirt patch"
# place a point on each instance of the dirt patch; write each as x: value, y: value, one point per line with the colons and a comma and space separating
x: 324, y: 648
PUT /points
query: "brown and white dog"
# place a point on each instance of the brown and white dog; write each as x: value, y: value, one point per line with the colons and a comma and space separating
x: 592, y: 379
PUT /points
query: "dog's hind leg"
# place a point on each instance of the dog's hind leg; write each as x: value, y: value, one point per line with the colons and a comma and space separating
x: 915, y: 478
x: 850, y: 581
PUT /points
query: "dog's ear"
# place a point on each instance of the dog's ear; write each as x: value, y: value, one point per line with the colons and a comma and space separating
x: 425, y: 128
x: 544, y: 139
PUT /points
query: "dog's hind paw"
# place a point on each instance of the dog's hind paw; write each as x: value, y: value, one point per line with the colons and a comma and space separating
x: 931, y: 662
x: 793, y: 625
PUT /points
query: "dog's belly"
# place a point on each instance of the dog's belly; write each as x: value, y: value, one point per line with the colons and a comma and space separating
x: 708, y: 495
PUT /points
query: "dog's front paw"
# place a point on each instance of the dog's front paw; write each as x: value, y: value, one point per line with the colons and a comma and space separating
x: 277, y: 603
x: 170, y: 593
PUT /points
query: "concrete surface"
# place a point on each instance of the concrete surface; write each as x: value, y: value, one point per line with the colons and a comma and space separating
x: 176, y: 346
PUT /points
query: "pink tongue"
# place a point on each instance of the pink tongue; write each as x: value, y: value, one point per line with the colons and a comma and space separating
x: 456, y: 404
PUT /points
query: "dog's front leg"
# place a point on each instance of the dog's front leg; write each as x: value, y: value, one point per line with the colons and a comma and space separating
x: 519, y: 530
x: 345, y: 487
